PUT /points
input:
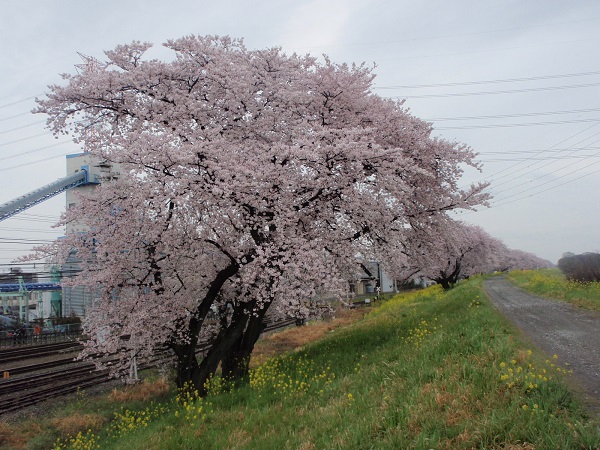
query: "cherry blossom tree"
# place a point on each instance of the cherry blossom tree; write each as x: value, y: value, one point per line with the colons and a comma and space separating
x: 250, y: 181
x: 513, y: 259
x: 446, y: 251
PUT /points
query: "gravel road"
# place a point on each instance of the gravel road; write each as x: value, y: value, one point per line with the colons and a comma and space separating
x: 557, y: 328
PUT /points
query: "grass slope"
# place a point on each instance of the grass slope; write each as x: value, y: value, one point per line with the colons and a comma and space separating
x: 553, y: 284
x: 425, y: 370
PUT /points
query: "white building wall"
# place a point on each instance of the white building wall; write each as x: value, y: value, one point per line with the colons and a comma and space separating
x: 78, y: 300
x: 98, y: 171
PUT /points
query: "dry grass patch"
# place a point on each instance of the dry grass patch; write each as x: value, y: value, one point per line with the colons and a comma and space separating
x: 71, y: 425
x: 523, y: 446
x: 294, y: 338
x: 452, y: 404
x: 144, y: 391
x: 10, y: 437
x: 307, y: 446
x: 238, y: 438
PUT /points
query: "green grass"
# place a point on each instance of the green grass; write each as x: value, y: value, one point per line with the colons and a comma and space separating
x: 553, y: 284
x: 425, y: 370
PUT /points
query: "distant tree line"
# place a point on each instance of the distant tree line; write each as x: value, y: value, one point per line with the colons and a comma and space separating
x: 584, y: 267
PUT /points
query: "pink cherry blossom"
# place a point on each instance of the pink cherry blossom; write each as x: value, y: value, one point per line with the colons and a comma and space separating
x: 251, y: 181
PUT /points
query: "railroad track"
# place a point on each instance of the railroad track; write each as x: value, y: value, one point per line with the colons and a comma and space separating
x: 24, y: 399
x: 38, y: 351
x: 21, y: 392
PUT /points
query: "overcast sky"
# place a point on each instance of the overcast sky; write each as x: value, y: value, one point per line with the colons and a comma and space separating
x: 518, y: 81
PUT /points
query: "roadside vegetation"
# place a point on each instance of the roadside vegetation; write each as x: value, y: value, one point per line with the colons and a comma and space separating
x: 552, y: 283
x: 584, y: 267
x: 427, y: 369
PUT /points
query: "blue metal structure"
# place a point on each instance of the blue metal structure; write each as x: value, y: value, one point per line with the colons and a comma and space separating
x: 37, y: 196
x: 22, y: 291
x: 84, y: 170
x: 16, y: 287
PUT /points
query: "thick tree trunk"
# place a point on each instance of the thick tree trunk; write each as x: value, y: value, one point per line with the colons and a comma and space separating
x: 187, y: 364
x: 444, y: 282
x: 226, y: 340
x: 222, y: 345
x: 235, y: 365
x: 189, y: 372
x: 232, y: 349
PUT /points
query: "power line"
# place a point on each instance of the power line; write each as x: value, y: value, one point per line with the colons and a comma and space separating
x: 520, y: 152
x: 547, y: 189
x: 509, y: 116
x: 509, y: 171
x: 35, y: 150
x: 6, y: 105
x: 22, y: 127
x: 32, y: 230
x: 15, y: 116
x: 40, y: 216
x: 31, y: 163
x: 495, y: 204
x: 548, y: 174
x: 24, y: 139
x: 546, y: 158
x: 19, y: 217
x: 543, y: 165
x: 25, y: 241
x: 509, y: 125
x: 508, y: 91
x: 505, y: 80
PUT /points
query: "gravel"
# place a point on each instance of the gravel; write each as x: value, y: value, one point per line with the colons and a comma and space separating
x: 557, y: 328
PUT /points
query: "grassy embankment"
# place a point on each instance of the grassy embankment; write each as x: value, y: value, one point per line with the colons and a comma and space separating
x: 552, y: 283
x: 428, y: 370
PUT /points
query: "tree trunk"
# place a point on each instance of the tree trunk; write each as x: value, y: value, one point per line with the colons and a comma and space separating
x: 448, y: 281
x: 235, y: 365
x: 187, y: 364
x: 189, y: 372
x: 222, y: 345
x: 444, y: 282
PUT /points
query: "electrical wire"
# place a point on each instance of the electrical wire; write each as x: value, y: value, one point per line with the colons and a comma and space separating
x: 536, y: 167
x: 512, y: 169
x: 547, y: 175
x: 520, y: 152
x: 35, y: 150
x: 31, y: 163
x: 495, y: 205
x: 22, y: 127
x: 26, y: 138
x: 507, y: 91
x: 23, y: 241
x: 547, y: 158
x: 478, y: 82
x: 3, y: 119
x: 509, y: 125
x: 31, y: 230
x: 21, y: 218
x: 510, y: 116
x: 6, y: 105
x: 39, y: 216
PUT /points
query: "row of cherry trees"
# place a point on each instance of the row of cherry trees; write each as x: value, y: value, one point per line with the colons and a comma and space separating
x: 448, y: 251
x: 251, y: 181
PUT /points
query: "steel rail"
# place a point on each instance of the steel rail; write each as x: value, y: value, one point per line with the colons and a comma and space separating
x: 75, y: 378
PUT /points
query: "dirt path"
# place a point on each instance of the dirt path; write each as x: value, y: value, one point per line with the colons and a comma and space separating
x: 557, y: 328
